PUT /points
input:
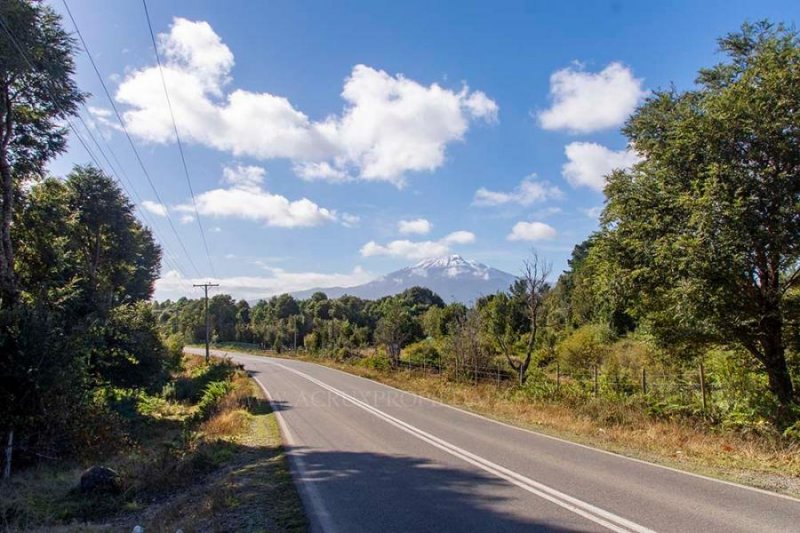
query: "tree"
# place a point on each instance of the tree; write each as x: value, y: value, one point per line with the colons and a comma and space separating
x: 705, y: 230
x: 37, y: 92
x: 467, y: 345
x: 531, y: 288
x: 394, y: 329
x: 118, y: 257
x: 505, y: 325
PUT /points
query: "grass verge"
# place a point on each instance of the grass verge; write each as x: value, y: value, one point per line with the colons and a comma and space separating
x: 205, y: 455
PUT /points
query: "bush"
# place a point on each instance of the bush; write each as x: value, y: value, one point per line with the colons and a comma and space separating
x: 586, y: 347
x: 213, y: 395
x: 125, y: 349
x: 376, y: 362
x: 191, y: 386
x: 742, y: 398
x: 423, y: 353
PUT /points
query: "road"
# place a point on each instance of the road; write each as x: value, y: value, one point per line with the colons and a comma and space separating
x: 367, y: 457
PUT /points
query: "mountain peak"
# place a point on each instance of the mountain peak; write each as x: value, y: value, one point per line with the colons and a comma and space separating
x: 452, y: 277
x: 446, y: 261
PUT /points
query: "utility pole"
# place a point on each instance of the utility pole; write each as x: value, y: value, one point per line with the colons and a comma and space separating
x: 205, y: 288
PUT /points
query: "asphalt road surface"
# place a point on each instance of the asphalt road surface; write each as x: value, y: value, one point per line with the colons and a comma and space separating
x: 367, y: 457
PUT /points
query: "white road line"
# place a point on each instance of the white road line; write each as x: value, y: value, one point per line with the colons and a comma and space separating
x: 595, y: 514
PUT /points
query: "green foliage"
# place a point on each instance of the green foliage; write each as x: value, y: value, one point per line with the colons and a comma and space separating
x: 212, y: 396
x: 395, y: 328
x: 585, y: 348
x: 37, y: 92
x: 125, y: 350
x: 703, y: 236
x: 190, y: 388
x: 424, y: 352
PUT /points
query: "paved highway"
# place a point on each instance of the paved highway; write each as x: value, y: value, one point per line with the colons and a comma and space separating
x: 367, y: 457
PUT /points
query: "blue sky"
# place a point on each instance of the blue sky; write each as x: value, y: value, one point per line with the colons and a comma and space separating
x: 331, y: 142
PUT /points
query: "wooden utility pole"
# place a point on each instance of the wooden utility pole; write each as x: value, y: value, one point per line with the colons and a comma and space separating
x: 205, y: 289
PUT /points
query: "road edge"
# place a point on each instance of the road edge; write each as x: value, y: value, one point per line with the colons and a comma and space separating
x: 317, y: 514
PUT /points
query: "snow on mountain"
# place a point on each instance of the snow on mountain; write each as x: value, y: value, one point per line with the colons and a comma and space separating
x: 452, y: 277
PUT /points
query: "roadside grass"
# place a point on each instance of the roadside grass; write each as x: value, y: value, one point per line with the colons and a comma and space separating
x: 761, y: 460
x: 204, y: 455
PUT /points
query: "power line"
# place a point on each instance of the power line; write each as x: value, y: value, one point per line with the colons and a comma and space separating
x: 131, y: 191
x: 177, y: 135
x: 127, y: 135
x: 55, y: 102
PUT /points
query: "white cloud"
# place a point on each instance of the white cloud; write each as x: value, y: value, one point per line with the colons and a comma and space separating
x: 418, y: 249
x: 531, y: 231
x: 588, y: 164
x: 187, y: 219
x: 528, y: 192
x: 350, y: 220
x: 390, y: 125
x: 172, y: 285
x: 584, y: 102
x: 419, y: 226
x: 459, y: 237
x: 246, y: 198
x: 321, y: 171
x: 99, y: 112
x: 155, y: 208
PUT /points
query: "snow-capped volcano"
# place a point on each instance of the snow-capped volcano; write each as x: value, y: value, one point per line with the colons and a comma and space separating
x: 452, y: 277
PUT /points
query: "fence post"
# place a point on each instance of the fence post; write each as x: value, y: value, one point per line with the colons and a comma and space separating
x: 595, y: 381
x: 703, y: 385
x: 558, y: 376
x: 497, y: 366
x: 9, y: 455
x: 644, y: 380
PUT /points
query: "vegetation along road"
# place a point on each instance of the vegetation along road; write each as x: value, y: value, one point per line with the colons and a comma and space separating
x: 368, y: 457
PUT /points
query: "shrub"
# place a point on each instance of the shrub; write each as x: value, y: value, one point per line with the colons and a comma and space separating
x: 376, y: 362
x: 586, y: 347
x: 423, y: 352
x: 213, y: 395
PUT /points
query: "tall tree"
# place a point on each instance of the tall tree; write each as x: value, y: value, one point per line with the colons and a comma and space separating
x: 394, y: 328
x: 119, y: 257
x: 706, y: 229
x: 37, y: 91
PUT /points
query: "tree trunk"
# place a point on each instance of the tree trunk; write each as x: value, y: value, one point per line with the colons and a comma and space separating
x: 780, y: 381
x: 8, y: 282
x: 523, y: 370
x: 773, y: 357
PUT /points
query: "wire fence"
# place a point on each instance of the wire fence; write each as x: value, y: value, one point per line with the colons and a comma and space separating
x: 687, y: 387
